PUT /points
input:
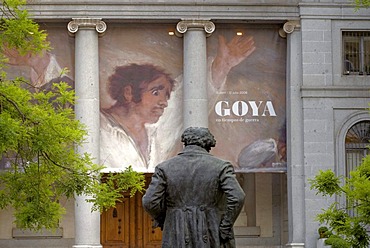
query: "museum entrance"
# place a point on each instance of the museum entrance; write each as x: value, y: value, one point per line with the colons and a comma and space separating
x: 262, y: 221
x: 128, y: 225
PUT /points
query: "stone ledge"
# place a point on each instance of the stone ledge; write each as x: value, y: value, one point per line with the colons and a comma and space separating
x: 247, y: 232
x: 42, y: 234
x: 119, y: 10
x: 335, y: 92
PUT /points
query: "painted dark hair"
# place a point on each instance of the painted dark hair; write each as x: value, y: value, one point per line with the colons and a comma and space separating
x: 199, y: 136
x: 136, y: 76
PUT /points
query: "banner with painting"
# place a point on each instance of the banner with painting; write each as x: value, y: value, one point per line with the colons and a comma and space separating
x: 141, y: 68
x: 247, y: 109
x: 141, y: 96
x: 142, y: 116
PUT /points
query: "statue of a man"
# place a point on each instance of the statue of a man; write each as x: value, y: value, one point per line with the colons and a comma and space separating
x: 195, y: 197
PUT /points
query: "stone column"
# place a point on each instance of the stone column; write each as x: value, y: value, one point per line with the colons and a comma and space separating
x: 86, y: 31
x: 296, y: 190
x: 195, y: 105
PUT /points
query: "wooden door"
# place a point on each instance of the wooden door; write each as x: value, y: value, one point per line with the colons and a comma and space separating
x: 128, y: 225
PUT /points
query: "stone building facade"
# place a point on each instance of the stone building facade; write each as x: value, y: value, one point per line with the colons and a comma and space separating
x: 324, y: 99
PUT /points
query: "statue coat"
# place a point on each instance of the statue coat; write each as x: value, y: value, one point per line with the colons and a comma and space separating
x: 195, y: 198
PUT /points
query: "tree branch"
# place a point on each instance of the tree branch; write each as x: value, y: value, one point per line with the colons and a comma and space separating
x: 15, y: 106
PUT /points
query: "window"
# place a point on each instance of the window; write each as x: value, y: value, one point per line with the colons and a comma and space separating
x: 356, y: 52
x: 357, y: 147
x: 357, y: 142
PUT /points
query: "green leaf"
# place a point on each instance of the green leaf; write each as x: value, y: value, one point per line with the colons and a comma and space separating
x: 326, y: 183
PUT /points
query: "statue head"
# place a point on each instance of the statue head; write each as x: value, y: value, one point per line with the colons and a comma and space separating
x: 199, y: 136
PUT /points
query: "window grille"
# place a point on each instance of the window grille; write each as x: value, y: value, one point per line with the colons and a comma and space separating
x: 356, y: 52
x: 357, y: 147
x: 354, y: 155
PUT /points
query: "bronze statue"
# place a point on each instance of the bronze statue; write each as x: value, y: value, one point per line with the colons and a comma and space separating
x: 195, y: 197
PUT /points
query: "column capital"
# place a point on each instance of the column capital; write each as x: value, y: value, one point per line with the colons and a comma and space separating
x: 87, y: 23
x: 290, y: 26
x: 184, y: 25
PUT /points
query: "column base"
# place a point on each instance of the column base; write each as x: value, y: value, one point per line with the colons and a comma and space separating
x: 87, y: 246
x: 295, y: 245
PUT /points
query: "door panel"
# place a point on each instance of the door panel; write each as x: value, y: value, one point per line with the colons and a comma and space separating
x: 114, y: 230
x: 152, y: 238
x: 128, y: 225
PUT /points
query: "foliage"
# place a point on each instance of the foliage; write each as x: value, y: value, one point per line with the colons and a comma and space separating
x: 347, y: 221
x: 334, y: 241
x: 337, y: 242
x: 19, y: 31
x: 323, y: 232
x: 38, y: 137
x: 326, y: 183
x: 361, y: 4
x: 111, y: 190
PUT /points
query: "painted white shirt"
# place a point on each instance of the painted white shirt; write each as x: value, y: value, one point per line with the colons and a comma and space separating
x: 118, y: 150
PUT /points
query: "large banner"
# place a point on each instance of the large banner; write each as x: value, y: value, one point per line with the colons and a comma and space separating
x: 141, y: 93
x: 141, y: 96
x: 247, y: 109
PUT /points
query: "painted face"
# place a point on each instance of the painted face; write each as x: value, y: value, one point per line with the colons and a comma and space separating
x: 154, y: 100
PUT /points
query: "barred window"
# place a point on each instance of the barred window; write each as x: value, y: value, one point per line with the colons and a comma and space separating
x: 356, y: 52
x: 357, y: 147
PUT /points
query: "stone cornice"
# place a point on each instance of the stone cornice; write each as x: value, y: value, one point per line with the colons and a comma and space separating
x: 55, y: 10
x: 335, y: 92
x: 217, y: 10
x: 116, y: 10
x: 340, y: 11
